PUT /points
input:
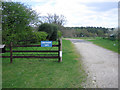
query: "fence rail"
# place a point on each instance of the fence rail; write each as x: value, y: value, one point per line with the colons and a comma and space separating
x: 34, y: 51
x: 34, y: 46
x: 48, y: 56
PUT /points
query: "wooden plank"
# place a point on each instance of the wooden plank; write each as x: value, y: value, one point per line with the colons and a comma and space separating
x: 30, y: 56
x: 11, y: 52
x: 4, y: 56
x: 35, y: 56
x: 7, y: 51
x: 35, y: 51
x: 33, y: 46
x: 59, y: 51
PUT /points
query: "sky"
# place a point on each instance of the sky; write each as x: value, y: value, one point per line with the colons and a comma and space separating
x: 96, y: 13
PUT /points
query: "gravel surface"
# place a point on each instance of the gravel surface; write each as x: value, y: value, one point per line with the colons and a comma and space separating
x: 101, y: 65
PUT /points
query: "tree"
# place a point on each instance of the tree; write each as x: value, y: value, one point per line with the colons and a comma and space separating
x: 100, y: 33
x: 16, y: 18
x: 50, y: 29
x: 60, y: 20
x: 113, y: 34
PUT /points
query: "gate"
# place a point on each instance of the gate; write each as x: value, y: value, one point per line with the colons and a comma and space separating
x: 34, y: 53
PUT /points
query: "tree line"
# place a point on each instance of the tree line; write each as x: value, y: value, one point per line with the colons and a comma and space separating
x: 90, y: 32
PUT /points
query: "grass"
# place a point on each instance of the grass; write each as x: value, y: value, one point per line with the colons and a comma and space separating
x: 106, y: 43
x: 83, y: 38
x: 38, y: 73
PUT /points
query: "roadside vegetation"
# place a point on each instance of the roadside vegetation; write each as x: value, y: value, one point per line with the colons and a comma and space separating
x: 40, y: 73
x: 106, y: 43
x: 86, y: 38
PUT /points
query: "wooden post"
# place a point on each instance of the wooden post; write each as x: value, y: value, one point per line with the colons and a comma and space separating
x: 60, y: 50
x: 11, y: 52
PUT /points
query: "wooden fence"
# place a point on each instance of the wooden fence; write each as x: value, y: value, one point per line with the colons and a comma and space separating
x: 48, y: 56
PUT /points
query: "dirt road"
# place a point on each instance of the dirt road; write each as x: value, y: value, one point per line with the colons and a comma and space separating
x: 100, y: 64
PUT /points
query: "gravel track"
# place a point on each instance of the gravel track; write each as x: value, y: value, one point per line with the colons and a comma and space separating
x: 101, y: 65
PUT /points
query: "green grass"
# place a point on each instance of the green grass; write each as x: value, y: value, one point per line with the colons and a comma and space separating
x: 106, y: 43
x: 83, y: 38
x: 40, y: 73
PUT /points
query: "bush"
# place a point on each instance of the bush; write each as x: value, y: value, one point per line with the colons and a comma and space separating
x: 59, y: 33
x: 26, y: 37
x: 112, y: 37
x: 50, y: 29
x: 53, y: 37
x: 38, y: 36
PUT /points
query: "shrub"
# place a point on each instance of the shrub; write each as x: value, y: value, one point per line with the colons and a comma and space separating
x: 112, y: 37
x: 59, y: 33
x: 50, y: 29
x: 38, y: 36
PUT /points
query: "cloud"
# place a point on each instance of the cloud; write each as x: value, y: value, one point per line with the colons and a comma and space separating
x: 28, y: 0
x: 91, y: 1
x: 103, y: 19
x: 86, y: 1
x: 78, y: 13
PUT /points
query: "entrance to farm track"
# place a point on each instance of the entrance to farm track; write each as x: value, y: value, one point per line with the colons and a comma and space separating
x: 33, y: 51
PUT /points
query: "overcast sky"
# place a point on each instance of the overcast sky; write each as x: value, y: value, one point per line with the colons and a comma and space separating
x: 102, y: 13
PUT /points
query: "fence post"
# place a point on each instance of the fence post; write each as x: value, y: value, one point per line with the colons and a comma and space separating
x: 11, y: 52
x: 60, y: 50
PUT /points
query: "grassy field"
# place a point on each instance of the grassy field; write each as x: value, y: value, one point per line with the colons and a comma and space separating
x: 39, y: 73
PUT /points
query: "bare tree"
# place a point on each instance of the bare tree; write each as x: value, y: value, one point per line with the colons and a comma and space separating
x: 54, y: 18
